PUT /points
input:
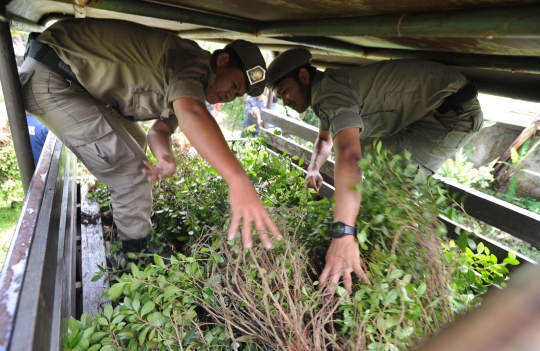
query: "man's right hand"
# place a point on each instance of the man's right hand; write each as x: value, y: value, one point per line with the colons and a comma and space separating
x: 247, y: 206
x: 204, y: 133
x: 314, y: 179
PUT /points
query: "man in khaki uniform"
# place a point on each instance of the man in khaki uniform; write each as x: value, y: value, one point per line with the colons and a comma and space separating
x: 90, y: 81
x: 424, y: 107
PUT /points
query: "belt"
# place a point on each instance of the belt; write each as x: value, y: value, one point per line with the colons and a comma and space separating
x: 455, y: 101
x: 45, y: 54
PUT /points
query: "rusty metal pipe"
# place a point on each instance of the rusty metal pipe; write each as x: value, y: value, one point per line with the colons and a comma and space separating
x: 172, y: 13
x: 322, y: 46
x: 25, y: 26
x: 15, y: 106
x: 496, y: 22
x: 209, y: 34
x: 514, y: 64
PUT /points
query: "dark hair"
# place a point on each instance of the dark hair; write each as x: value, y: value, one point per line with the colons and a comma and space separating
x: 234, y: 60
x: 274, y: 99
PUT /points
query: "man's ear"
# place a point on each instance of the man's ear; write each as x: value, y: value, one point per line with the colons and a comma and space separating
x: 222, y: 59
x: 304, y: 77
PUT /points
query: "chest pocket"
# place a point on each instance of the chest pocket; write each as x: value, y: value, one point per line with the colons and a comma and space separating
x: 148, y: 104
x: 391, y: 116
x: 379, y: 124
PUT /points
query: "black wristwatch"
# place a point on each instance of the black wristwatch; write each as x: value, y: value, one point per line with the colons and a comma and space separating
x: 340, y: 229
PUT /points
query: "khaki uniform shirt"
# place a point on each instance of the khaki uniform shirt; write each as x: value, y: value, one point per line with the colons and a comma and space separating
x: 138, y: 70
x: 381, y: 98
x: 396, y: 101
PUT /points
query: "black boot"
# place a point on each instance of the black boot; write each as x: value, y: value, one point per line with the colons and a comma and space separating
x: 136, y: 251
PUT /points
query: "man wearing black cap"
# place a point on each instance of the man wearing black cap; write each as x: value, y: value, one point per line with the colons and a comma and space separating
x: 424, y: 107
x: 90, y: 81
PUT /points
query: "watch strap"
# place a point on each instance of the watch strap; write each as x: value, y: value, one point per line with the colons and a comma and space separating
x: 344, y: 230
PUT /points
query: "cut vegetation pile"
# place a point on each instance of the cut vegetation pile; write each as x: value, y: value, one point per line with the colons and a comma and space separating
x: 216, y: 296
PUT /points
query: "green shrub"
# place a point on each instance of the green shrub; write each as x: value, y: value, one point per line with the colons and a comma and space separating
x: 214, y: 295
x: 463, y: 171
x: 10, y: 180
x: 235, y: 113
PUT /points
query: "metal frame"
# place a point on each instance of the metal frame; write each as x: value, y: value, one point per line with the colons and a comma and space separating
x: 11, y: 88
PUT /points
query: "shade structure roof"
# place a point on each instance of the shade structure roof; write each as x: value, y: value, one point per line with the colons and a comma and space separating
x: 494, y: 42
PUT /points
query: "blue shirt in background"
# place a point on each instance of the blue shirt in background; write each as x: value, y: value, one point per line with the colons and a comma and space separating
x: 38, y: 133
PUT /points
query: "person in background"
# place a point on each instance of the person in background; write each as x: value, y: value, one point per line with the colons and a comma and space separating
x: 277, y: 108
x: 38, y: 133
x: 210, y: 108
x: 217, y: 108
x: 254, y: 105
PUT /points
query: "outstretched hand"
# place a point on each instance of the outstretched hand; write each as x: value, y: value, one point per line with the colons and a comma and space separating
x: 247, y: 206
x: 165, y: 168
x: 342, y: 258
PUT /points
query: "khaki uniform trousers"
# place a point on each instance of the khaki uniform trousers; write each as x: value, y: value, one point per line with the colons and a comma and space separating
x: 434, y: 138
x: 110, y: 146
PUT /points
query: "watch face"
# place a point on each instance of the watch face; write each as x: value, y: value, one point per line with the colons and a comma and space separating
x: 340, y: 229
x: 336, y: 228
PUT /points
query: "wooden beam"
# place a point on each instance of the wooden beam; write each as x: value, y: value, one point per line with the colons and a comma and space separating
x: 93, y: 254
x: 289, y: 125
x: 64, y: 297
x: 509, y: 218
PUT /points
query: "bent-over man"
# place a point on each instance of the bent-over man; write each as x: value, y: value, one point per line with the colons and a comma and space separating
x: 91, y: 80
x: 424, y: 107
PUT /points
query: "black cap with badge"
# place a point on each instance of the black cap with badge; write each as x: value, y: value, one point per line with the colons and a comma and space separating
x: 286, y: 64
x: 254, y: 67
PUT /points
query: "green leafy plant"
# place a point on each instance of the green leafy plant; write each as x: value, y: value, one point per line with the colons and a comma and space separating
x: 463, y: 171
x: 235, y: 113
x: 514, y: 167
x: 10, y: 183
x: 216, y: 296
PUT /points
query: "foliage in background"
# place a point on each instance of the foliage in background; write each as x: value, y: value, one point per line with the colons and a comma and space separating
x: 10, y: 183
x: 216, y: 296
x: 236, y: 112
x: 11, y: 196
x: 507, y: 181
x: 460, y: 169
x: 9, y: 214
x: 480, y: 227
x: 310, y: 117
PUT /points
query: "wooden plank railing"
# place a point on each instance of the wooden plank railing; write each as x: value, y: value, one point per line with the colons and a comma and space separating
x: 38, y: 279
x: 516, y: 221
x: 92, y: 255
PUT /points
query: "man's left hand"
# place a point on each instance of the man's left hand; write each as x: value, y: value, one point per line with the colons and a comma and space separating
x: 165, y: 168
x: 342, y: 258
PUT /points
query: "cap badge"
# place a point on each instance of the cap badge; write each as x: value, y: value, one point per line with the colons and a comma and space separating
x: 256, y: 75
